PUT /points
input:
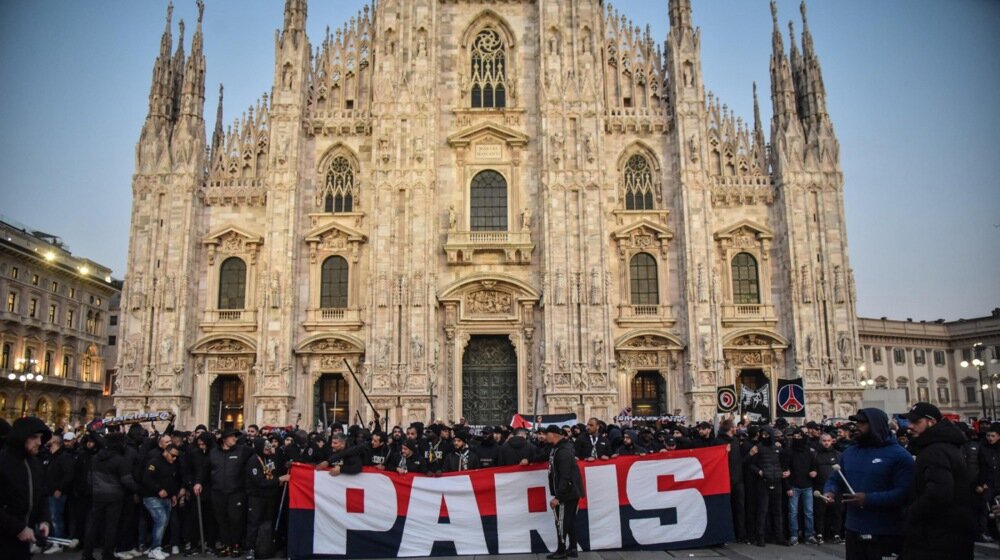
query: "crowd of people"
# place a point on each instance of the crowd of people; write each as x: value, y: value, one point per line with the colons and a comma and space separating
x: 922, y: 490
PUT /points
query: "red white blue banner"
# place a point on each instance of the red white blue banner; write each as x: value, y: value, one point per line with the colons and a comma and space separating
x: 663, y: 501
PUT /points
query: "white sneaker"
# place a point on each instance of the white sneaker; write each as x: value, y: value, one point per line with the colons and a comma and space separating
x: 73, y: 544
x: 123, y: 555
x: 157, y: 554
x: 53, y: 549
x: 35, y: 549
x: 175, y: 550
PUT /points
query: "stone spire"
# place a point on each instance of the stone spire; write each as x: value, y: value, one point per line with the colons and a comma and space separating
x: 218, y: 135
x: 160, y: 90
x: 193, y: 79
x: 177, y: 70
x: 782, y: 85
x: 680, y: 15
x: 295, y: 20
x: 814, y: 92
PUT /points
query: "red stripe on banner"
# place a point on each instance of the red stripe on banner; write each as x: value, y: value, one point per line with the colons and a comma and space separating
x: 355, y: 500
x: 537, y: 497
x: 300, y: 487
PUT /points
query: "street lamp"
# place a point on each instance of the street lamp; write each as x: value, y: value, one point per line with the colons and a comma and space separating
x: 979, y: 364
x: 26, y: 372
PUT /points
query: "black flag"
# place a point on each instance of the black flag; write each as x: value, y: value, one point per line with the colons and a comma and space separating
x: 791, y: 398
x: 756, y: 403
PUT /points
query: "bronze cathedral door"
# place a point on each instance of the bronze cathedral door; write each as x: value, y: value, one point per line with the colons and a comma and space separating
x: 489, y: 380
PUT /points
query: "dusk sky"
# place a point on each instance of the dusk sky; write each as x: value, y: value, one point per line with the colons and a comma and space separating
x: 913, y: 90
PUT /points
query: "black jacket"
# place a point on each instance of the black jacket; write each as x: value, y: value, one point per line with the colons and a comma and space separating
x: 225, y: 470
x: 489, y: 453
x: 22, y: 484
x: 592, y: 446
x: 989, y: 467
x: 350, y: 459
x: 453, y: 461
x: 414, y: 464
x: 262, y: 476
x: 81, y: 471
x: 375, y: 457
x: 59, y: 471
x: 766, y: 464
x: 514, y: 450
x: 939, y: 520
x: 111, y: 474
x: 160, y: 474
x: 970, y: 452
x: 735, y: 458
x: 825, y: 460
x: 565, y: 482
x: 800, y: 461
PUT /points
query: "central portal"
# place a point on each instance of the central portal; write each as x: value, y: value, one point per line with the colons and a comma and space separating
x: 489, y: 380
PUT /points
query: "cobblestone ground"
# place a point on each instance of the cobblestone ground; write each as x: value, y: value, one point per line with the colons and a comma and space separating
x: 738, y: 552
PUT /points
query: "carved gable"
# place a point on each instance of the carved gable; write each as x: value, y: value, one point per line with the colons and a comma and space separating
x: 335, y: 238
x: 232, y: 240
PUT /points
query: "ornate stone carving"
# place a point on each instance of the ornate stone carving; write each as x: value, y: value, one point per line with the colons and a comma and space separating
x: 489, y: 302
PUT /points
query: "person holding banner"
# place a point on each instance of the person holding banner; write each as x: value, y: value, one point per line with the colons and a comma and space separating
x: 343, y: 459
x: 593, y: 445
x: 408, y: 460
x: 566, y: 485
x: 461, y: 458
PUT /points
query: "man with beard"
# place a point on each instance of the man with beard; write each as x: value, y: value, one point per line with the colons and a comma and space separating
x: 408, y: 460
x: 378, y: 452
x: 462, y: 457
x: 939, y: 519
x: 23, y: 504
x: 879, y: 472
x: 703, y: 436
x: 565, y: 484
x: 765, y: 462
x: 593, y: 445
x: 343, y: 459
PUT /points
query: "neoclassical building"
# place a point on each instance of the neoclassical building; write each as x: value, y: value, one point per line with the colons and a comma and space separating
x: 484, y: 207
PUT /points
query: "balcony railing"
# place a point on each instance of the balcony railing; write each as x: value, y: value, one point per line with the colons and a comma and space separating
x: 333, y: 316
x: 230, y: 319
x: 748, y: 313
x: 515, y: 246
x: 661, y: 314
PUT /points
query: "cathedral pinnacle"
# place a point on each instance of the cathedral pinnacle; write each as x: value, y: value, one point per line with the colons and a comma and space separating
x: 218, y: 135
x: 680, y: 14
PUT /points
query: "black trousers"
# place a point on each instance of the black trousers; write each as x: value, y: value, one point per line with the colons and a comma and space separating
x: 827, y: 518
x: 261, y: 510
x: 128, y: 528
x: 769, y: 498
x: 190, y: 521
x: 737, y: 499
x: 566, y: 524
x: 875, y: 547
x: 103, y: 520
x: 230, y: 512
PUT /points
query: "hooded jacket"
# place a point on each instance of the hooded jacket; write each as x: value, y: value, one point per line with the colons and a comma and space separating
x: 22, y: 484
x: 514, y: 450
x: 263, y: 472
x: 766, y: 463
x: 565, y: 482
x: 939, y: 519
x: 111, y: 473
x: 882, y: 470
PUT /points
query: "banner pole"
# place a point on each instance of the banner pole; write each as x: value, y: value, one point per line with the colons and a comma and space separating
x: 363, y: 393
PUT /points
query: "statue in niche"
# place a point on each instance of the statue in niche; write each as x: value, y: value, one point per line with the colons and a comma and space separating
x: 166, y: 349
x: 272, y: 353
x: 595, y: 287
x: 526, y: 219
x: 810, y: 358
x: 598, y: 352
x: 135, y: 292
x: 844, y: 348
x: 838, y: 288
x: 561, y: 353
x: 452, y: 218
x: 706, y: 351
x: 806, y: 285
x: 588, y: 146
x: 416, y: 350
x: 275, y: 290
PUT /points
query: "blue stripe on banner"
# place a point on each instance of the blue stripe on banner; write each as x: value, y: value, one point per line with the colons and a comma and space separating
x: 371, y: 544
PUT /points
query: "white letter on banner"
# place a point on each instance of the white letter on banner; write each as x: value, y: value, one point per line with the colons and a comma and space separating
x: 641, y: 489
x: 332, y: 518
x: 515, y: 520
x: 465, y: 527
x: 602, y: 507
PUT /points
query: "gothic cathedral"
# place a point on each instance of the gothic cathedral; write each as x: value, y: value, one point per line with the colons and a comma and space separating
x: 475, y: 208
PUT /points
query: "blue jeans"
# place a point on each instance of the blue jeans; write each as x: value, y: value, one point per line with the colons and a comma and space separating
x: 57, y: 508
x: 806, y: 495
x: 159, y: 510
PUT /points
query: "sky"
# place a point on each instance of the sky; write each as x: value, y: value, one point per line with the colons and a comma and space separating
x: 912, y: 89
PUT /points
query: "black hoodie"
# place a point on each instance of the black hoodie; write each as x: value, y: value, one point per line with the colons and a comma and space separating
x: 939, y: 520
x: 514, y: 450
x: 23, y: 501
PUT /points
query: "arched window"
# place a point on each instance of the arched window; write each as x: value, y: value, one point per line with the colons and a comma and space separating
x: 489, y: 202
x: 339, y: 191
x: 489, y: 72
x: 232, y: 284
x: 638, y: 184
x: 746, y: 288
x: 644, y: 285
x: 333, y: 283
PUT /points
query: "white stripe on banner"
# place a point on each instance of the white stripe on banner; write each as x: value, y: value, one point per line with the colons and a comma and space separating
x: 465, y: 527
x: 692, y: 516
x: 513, y: 517
x: 332, y: 517
x: 602, y: 507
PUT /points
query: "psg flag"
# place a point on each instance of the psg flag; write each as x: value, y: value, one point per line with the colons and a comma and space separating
x: 791, y: 398
x: 725, y: 398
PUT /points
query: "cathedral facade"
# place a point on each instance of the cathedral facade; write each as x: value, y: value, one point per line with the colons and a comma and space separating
x: 471, y: 209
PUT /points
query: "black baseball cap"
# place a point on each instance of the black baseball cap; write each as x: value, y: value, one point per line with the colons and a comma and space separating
x: 553, y: 429
x: 923, y: 410
x: 861, y: 416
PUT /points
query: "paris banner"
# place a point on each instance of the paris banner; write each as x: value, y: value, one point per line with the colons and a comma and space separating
x: 669, y: 500
x: 791, y: 399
